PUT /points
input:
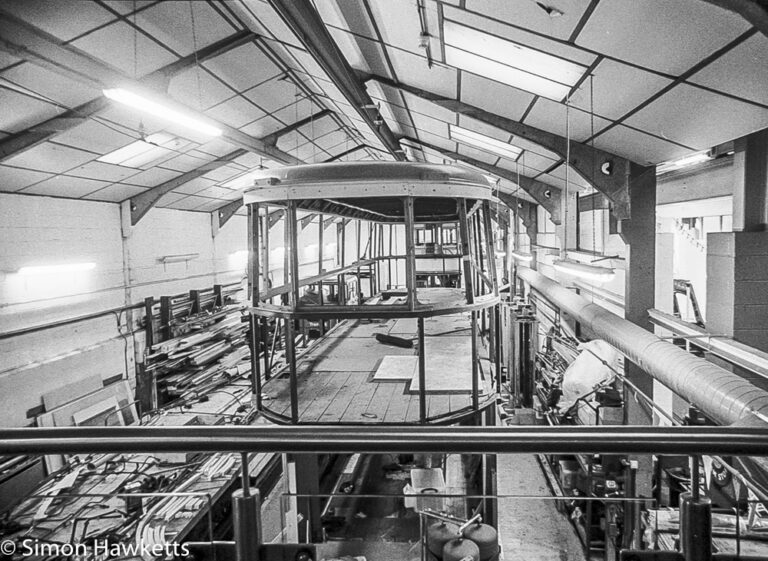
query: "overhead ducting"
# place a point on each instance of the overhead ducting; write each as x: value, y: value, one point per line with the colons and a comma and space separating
x: 722, y: 395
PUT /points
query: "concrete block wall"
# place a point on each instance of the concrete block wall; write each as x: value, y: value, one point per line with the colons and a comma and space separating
x: 45, y: 231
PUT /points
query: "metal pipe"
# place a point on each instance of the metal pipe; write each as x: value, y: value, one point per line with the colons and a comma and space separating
x: 726, y: 348
x: 720, y: 394
x: 742, y: 441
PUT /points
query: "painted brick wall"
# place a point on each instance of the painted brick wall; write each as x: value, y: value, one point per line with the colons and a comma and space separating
x: 44, y: 231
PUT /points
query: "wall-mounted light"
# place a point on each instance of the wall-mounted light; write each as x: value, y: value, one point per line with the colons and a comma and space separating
x: 522, y: 257
x: 146, y: 105
x: 688, y: 161
x: 594, y: 273
x: 53, y: 269
x: 181, y: 258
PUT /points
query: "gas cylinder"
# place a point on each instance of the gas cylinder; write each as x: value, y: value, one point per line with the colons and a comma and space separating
x: 439, y: 533
x: 486, y: 538
x: 460, y: 549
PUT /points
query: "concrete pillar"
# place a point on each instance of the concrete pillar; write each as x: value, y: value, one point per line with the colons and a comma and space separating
x: 750, y: 186
x: 639, y: 233
x: 737, y: 262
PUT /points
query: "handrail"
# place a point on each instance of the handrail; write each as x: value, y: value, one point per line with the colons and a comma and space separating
x: 371, y: 439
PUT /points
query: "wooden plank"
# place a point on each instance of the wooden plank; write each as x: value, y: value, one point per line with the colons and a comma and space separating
x: 340, y: 400
x: 398, y: 405
x: 320, y: 402
x: 70, y: 392
x: 359, y: 402
x: 377, y: 407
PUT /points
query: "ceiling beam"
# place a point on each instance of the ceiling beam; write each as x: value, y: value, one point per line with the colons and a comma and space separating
x: 272, y: 139
x: 754, y: 11
x: 523, y: 209
x: 306, y: 23
x: 143, y: 202
x: 35, y: 45
x: 546, y: 195
x: 328, y: 221
x: 352, y: 150
x: 606, y: 172
x: 227, y: 211
x: 50, y: 128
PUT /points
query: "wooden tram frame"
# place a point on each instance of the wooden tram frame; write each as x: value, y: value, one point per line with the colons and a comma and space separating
x: 345, y: 190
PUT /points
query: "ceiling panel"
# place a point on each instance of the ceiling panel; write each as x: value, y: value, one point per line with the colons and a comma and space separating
x: 235, y: 112
x: 494, y: 97
x: 428, y: 124
x: 483, y: 128
x: 532, y: 15
x: 481, y: 155
x: 190, y: 202
x: 398, y: 23
x: 618, y: 88
x: 194, y: 186
x: 262, y: 127
x: 428, y: 109
x: 153, y: 177
x: 47, y: 15
x: 674, y: 34
x: 527, y: 163
x: 677, y: 115
x: 362, y: 54
x: 270, y: 21
x: 114, y: 44
x: 123, y: 7
x: 221, y: 193
x: 741, y: 72
x: 171, y: 24
x: 243, y: 67
x: 223, y: 173
x: 275, y: 94
x: 95, y: 136
x: 574, y: 179
x: 638, y: 146
x: 413, y: 70
x: 346, y: 15
x: 187, y: 162
x: 198, y: 88
x: 49, y: 85
x: 50, y: 157
x: 13, y: 179
x: 115, y: 193
x: 65, y: 186
x: 22, y: 111
x: 104, y: 171
x: 517, y: 35
x: 551, y: 116
x: 297, y: 111
x: 170, y: 198
x: 217, y: 147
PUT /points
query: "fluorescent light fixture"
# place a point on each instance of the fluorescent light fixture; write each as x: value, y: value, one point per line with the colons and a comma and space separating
x: 181, y: 258
x: 584, y: 270
x: 522, y: 257
x: 158, y: 110
x: 508, y: 62
x: 52, y: 269
x: 688, y: 161
x: 144, y: 152
x: 483, y: 142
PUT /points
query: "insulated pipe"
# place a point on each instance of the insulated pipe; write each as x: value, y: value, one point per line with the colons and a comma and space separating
x: 720, y: 394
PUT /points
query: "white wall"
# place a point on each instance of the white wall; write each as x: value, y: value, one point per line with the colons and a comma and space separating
x: 45, y: 231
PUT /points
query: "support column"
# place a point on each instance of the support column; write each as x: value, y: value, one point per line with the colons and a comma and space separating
x: 639, y: 233
x: 306, y: 473
x: 737, y: 262
x: 410, y: 260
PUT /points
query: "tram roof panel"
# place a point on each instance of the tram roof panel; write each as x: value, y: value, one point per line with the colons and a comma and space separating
x: 372, y: 190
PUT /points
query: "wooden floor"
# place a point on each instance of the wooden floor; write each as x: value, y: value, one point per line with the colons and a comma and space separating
x: 336, y: 376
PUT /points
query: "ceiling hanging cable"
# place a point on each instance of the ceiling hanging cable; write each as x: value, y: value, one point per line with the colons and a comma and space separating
x: 197, y: 62
x: 566, y: 265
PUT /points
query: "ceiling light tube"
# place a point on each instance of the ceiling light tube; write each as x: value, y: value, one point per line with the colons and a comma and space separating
x: 51, y: 269
x: 584, y: 270
x: 158, y: 110
x: 691, y: 160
